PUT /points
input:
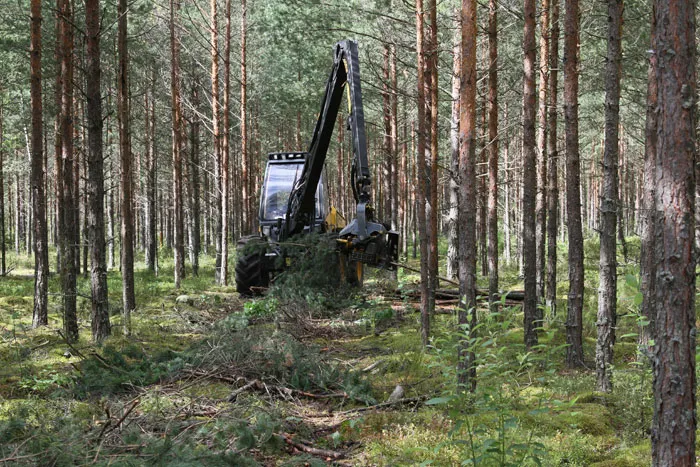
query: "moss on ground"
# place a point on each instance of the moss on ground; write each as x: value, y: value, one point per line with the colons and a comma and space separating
x: 530, y: 412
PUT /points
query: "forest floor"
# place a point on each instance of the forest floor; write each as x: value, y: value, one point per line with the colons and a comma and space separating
x: 308, y: 378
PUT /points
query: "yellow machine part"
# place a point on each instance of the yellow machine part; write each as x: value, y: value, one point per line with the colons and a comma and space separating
x: 334, y: 220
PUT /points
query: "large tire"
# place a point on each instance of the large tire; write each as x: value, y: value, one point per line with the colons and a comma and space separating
x: 251, y: 274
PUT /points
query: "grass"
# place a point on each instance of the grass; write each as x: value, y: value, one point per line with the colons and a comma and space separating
x: 528, y: 409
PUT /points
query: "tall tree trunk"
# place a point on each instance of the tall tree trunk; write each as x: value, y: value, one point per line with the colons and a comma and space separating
x: 675, y: 421
x: 394, y: 134
x: 151, y: 178
x: 68, y: 229
x: 609, y: 200
x: 95, y: 178
x: 507, y: 190
x: 217, y: 134
x: 386, y: 204
x: 432, y: 200
x: 223, y: 278
x: 453, y: 213
x: 3, y: 264
x: 421, y: 176
x: 541, y: 199
x: 647, y: 217
x: 41, y: 247
x: 492, y: 223
x: 246, y: 170
x: 529, y: 178
x: 127, y: 221
x: 574, y: 335
x: 178, y: 149
x: 553, y: 163
x: 466, y: 366
x: 194, y: 186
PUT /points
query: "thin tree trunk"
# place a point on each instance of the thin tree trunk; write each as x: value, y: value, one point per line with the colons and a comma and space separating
x: 178, y: 149
x: 223, y: 278
x: 67, y: 202
x: 3, y: 264
x: 674, y: 428
x: 95, y: 178
x: 151, y: 178
x: 127, y: 220
x: 453, y: 213
x: 529, y: 178
x: 541, y: 199
x: 609, y: 200
x: 217, y: 134
x: 506, y: 194
x: 194, y: 186
x: 432, y: 200
x: 492, y: 223
x: 421, y: 176
x: 553, y: 162
x: 574, y: 331
x: 466, y: 366
x: 41, y: 253
x: 647, y: 216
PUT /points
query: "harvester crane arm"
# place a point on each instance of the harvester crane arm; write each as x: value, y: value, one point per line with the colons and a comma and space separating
x: 301, y: 208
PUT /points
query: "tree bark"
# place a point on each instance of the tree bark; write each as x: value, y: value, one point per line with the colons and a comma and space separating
x: 127, y: 220
x: 574, y: 337
x: 492, y: 222
x: 466, y: 366
x: 529, y: 178
x: 553, y: 163
x: 178, y: 149
x: 151, y: 178
x: 68, y: 229
x: 609, y: 201
x: 421, y: 176
x: 432, y: 204
x: 194, y: 186
x: 223, y: 278
x: 675, y: 421
x: 647, y: 216
x: 41, y: 253
x: 3, y: 267
x: 541, y: 199
x: 101, y: 327
x: 217, y: 135
x: 453, y: 213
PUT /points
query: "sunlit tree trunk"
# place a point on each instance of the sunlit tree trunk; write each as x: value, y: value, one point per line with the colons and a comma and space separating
x: 553, y: 163
x: 466, y: 365
x: 68, y: 229
x: 101, y: 327
x: 674, y: 428
x: 574, y: 325
x: 529, y: 177
x: 41, y: 253
x: 609, y: 200
x: 421, y: 175
x: 178, y: 147
x: 432, y: 204
x: 127, y: 220
x: 453, y: 213
x: 541, y: 199
x: 492, y: 223
x: 647, y: 216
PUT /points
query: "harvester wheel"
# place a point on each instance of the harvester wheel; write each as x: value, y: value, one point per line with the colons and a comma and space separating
x: 251, y: 276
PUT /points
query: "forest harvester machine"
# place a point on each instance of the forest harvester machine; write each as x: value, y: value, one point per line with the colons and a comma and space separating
x: 294, y: 199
